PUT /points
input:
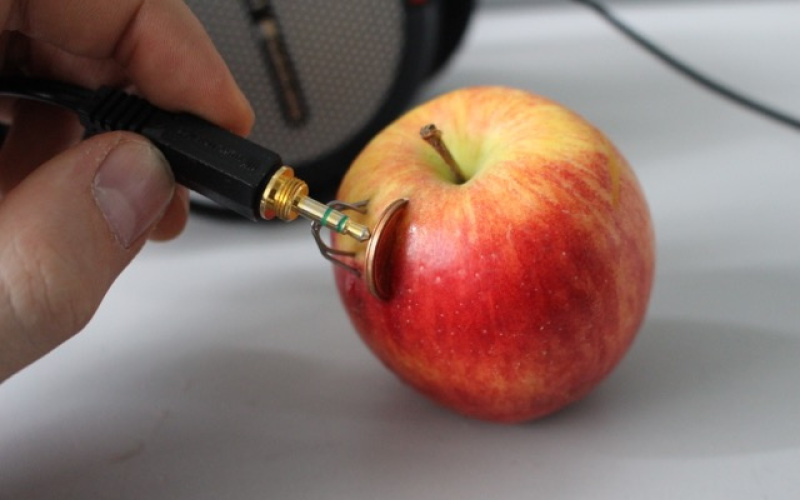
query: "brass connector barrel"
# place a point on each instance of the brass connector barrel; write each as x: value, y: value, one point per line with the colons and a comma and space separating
x: 286, y: 197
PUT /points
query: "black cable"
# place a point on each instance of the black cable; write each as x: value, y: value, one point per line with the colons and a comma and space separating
x: 226, y: 168
x: 690, y: 72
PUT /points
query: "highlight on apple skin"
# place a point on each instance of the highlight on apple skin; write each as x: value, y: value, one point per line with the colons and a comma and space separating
x: 518, y: 290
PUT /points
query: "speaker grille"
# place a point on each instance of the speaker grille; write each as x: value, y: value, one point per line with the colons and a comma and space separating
x: 346, y: 55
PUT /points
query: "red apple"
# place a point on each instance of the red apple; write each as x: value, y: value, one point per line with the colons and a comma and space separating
x: 515, y: 292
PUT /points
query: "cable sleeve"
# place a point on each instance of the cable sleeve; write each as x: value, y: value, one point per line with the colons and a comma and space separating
x: 220, y: 165
x: 212, y: 161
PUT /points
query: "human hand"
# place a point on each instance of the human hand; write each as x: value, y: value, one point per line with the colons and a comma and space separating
x: 73, y: 213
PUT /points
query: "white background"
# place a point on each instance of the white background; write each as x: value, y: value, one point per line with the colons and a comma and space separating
x: 223, y: 366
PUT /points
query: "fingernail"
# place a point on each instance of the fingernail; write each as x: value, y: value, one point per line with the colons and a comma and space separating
x: 132, y: 188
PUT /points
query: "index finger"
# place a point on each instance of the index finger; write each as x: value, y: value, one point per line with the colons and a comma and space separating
x: 159, y: 45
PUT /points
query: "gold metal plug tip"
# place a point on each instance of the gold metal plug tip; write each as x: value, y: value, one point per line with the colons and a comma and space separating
x: 379, y: 251
x: 286, y: 197
x: 333, y: 219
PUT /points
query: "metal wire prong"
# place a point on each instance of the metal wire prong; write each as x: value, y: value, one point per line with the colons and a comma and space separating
x: 332, y: 254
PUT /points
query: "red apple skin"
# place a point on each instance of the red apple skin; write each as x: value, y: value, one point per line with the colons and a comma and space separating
x: 517, y: 292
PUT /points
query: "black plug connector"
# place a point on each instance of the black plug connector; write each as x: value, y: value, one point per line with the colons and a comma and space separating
x: 218, y: 164
x: 236, y: 173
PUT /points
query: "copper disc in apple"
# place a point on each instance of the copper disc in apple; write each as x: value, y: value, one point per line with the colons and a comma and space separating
x: 379, y: 250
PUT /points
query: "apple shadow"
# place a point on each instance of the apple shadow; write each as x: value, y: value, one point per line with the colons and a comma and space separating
x: 696, y: 389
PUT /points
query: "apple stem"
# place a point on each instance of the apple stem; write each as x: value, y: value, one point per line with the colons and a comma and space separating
x: 433, y: 136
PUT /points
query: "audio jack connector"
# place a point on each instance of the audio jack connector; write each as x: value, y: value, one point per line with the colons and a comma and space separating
x: 286, y: 197
x: 236, y: 173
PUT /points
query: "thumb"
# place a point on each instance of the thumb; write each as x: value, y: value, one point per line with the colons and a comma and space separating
x: 68, y: 230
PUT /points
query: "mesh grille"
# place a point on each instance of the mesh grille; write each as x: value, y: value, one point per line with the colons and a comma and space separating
x: 346, y: 55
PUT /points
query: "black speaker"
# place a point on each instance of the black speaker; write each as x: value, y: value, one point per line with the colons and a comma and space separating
x: 324, y: 77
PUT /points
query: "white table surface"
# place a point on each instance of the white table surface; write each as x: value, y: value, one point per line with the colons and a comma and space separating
x: 223, y: 366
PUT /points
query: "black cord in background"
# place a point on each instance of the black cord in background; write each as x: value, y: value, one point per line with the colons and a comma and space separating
x: 690, y: 72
